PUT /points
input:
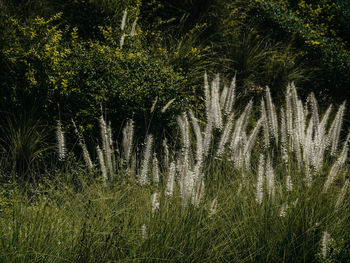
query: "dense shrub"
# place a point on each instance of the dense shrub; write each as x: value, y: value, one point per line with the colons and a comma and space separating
x: 324, y: 43
x: 48, y: 65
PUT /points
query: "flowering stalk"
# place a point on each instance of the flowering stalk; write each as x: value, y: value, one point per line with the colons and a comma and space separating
x: 213, y: 207
x: 230, y: 97
x: 82, y: 144
x: 270, y: 178
x: 106, y: 147
x: 199, y: 138
x: 155, y: 170
x: 225, y: 135
x: 127, y: 141
x: 207, y: 96
x: 146, y: 158
x: 325, y: 241
x: 61, y: 143
x: 171, y: 180
x: 271, y: 114
x: 215, y: 103
x: 342, y: 193
x: 260, y: 182
x: 133, y: 28
x: 102, y: 164
x: 122, y: 25
x: 154, y: 202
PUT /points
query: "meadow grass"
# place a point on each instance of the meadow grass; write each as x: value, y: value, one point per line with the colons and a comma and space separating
x: 240, y: 188
x: 109, y: 224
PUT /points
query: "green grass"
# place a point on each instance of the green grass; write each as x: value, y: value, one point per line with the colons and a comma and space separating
x: 80, y: 214
x: 87, y: 222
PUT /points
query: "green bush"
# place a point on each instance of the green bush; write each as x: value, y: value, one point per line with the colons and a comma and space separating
x: 49, y: 64
x: 324, y: 48
x: 86, y: 15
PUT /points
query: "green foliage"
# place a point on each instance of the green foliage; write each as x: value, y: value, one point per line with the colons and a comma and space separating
x: 253, y: 54
x: 259, y: 62
x: 52, y: 65
x: 31, y: 55
x: 71, y: 59
x: 179, y: 18
x: 337, y: 251
x: 287, y: 39
x: 322, y: 44
x: 116, y: 223
x: 181, y: 35
x: 86, y: 15
x: 24, y: 142
x: 126, y: 81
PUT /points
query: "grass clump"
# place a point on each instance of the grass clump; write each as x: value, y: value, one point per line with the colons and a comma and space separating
x: 240, y: 186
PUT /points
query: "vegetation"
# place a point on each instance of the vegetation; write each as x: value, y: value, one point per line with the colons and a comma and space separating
x: 113, y: 150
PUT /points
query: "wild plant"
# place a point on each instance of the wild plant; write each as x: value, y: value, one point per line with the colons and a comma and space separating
x: 82, y: 144
x: 325, y: 242
x: 23, y: 145
x: 171, y: 180
x: 301, y: 139
x: 61, y: 143
x: 260, y: 180
x: 155, y: 170
x: 146, y: 159
x: 276, y: 168
x: 127, y: 141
